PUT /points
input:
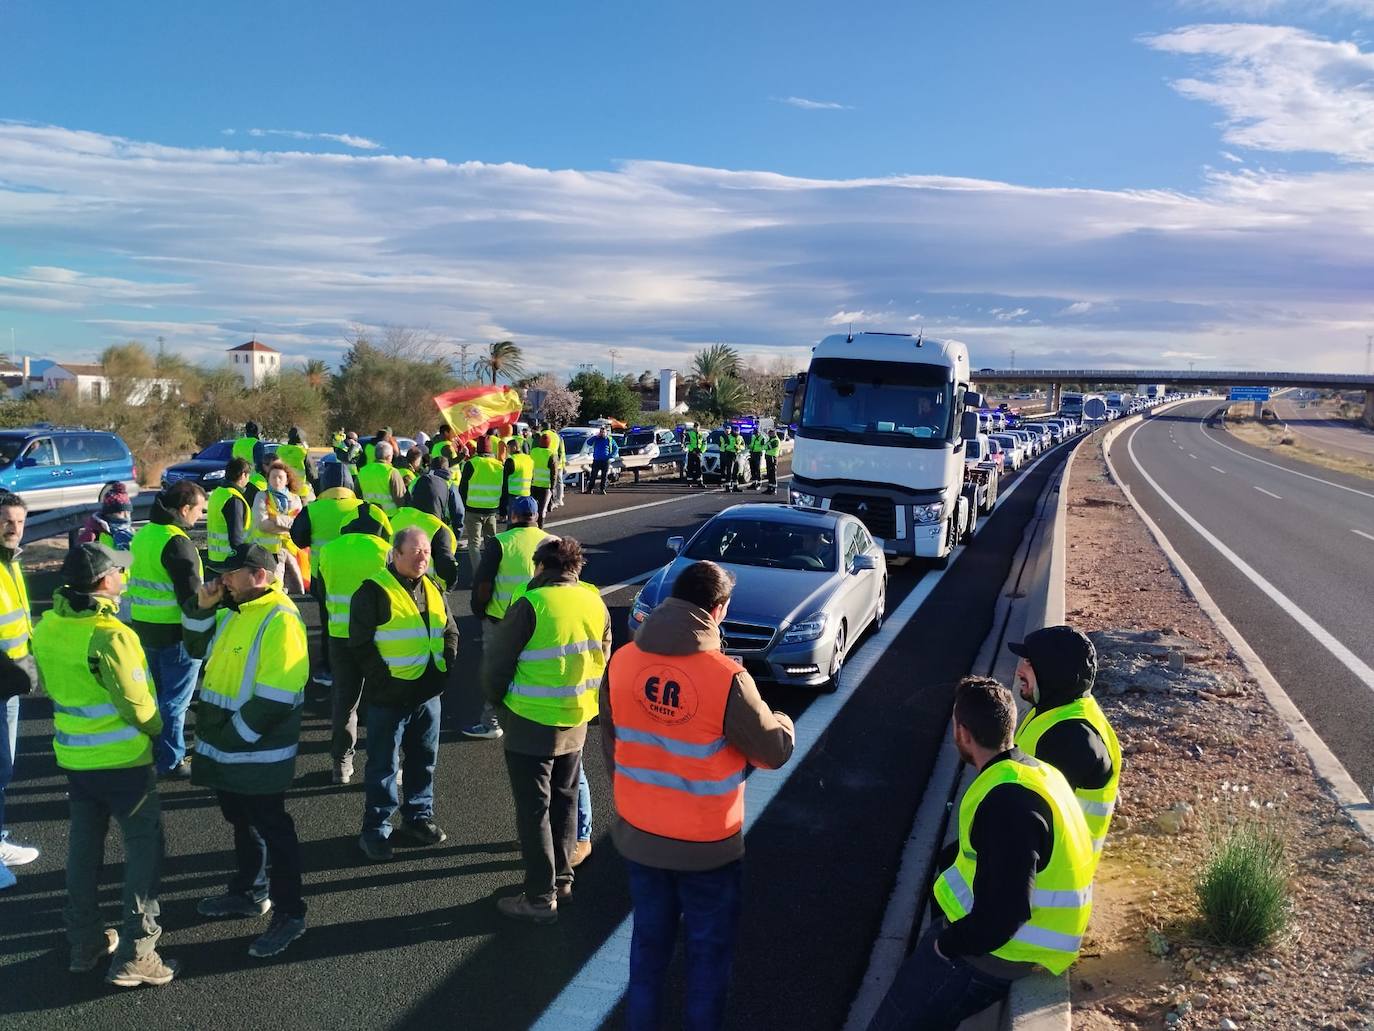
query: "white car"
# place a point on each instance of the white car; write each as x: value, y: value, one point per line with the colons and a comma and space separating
x: 1015, y: 448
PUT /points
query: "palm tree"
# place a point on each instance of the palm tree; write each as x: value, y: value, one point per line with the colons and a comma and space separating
x: 316, y: 373
x: 715, y: 363
x: 729, y: 397
x: 503, y: 358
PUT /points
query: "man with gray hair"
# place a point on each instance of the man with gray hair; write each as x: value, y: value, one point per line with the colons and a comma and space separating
x: 380, y: 482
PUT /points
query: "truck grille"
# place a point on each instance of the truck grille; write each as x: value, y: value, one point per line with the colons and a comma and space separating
x: 746, y: 637
x: 878, y: 514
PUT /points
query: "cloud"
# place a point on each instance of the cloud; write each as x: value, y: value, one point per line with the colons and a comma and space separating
x: 813, y: 105
x: 347, y: 139
x: 1281, y: 88
x: 1233, y: 158
x: 204, y: 245
x: 1274, y: 8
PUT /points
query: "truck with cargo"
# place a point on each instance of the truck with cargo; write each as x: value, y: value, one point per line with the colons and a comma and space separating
x: 1071, y: 404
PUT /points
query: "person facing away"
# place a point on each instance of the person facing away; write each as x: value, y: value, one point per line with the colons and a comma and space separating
x: 18, y: 674
x: 681, y: 723
x: 1015, y: 891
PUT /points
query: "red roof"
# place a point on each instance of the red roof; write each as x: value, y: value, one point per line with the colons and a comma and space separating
x: 253, y: 345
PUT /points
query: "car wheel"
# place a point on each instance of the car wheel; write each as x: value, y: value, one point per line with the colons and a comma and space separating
x: 881, y: 612
x: 837, y: 657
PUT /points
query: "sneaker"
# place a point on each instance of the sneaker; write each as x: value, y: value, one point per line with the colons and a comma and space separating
x: 580, y: 852
x: 518, y: 907
x: 232, y: 904
x: 181, y: 771
x: 282, y: 932
x: 7, y: 878
x: 150, y: 969
x: 343, y: 771
x: 487, y: 731
x: 86, y: 958
x: 423, y: 832
x: 323, y: 678
x: 377, y: 849
x: 16, y: 855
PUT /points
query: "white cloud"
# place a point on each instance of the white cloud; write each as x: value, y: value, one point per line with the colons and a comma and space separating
x: 1273, y: 8
x: 1077, y: 308
x: 843, y: 318
x: 1010, y: 314
x: 1233, y: 158
x: 814, y: 105
x: 347, y: 139
x: 1281, y: 88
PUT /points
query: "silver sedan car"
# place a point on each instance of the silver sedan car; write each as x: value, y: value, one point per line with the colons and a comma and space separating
x: 807, y: 585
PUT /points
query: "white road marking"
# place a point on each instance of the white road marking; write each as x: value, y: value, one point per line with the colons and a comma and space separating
x: 1347, y: 658
x: 1222, y: 471
x: 606, y: 592
x: 648, y: 504
x: 1192, y: 455
x: 1363, y: 534
x: 1283, y: 468
x: 1269, y: 492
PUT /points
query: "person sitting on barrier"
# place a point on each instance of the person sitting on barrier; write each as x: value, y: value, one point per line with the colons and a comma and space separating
x: 1015, y: 891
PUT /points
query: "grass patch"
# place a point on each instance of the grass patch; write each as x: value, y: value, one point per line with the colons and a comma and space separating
x: 1278, y: 438
x: 1242, y: 889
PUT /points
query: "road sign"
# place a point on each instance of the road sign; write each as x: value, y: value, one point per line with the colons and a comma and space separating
x: 1250, y: 393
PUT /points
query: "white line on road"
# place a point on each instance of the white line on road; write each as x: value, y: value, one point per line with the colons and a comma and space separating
x: 606, y: 592
x: 1192, y: 455
x: 648, y: 504
x: 1269, y: 492
x: 1363, y: 534
x: 1222, y: 471
x: 1282, y: 468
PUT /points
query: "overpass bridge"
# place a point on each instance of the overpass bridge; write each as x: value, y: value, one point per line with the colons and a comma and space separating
x: 1223, y: 379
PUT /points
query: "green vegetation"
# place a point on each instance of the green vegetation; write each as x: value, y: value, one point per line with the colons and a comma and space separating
x: 1242, y: 889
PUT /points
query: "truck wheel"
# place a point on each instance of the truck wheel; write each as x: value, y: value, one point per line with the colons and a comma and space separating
x: 972, y: 526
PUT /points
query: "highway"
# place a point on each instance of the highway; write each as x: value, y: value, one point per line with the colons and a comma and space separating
x: 1285, y: 549
x: 1323, y: 428
x: 419, y: 941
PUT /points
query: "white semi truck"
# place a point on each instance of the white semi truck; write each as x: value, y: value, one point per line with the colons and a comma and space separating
x: 882, y: 424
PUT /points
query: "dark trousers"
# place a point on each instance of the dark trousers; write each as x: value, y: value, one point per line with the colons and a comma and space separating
x: 266, y: 850
x: 130, y: 796
x: 541, y: 498
x: 600, y: 467
x: 707, y: 903
x: 693, y: 466
x: 755, y: 460
x: 935, y: 994
x: 771, y: 464
x: 346, y: 693
x: 390, y: 731
x: 545, y: 792
x: 317, y: 592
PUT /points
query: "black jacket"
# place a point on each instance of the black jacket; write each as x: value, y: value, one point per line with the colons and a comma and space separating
x: 431, y: 494
x: 182, y: 562
x: 1072, y: 747
x: 370, y: 609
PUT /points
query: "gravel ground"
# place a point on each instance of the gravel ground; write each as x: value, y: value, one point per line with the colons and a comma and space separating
x: 1202, y: 749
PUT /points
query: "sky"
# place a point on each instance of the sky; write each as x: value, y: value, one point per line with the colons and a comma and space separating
x: 1064, y: 184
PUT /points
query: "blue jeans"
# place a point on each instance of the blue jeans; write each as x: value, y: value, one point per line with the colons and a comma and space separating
x: 707, y: 903
x: 9, y: 739
x: 389, y: 731
x: 174, y: 680
x: 935, y: 994
x: 584, y: 806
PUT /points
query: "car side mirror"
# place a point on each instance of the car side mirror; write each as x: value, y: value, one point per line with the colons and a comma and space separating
x: 968, y: 425
x: 675, y: 544
x: 862, y: 562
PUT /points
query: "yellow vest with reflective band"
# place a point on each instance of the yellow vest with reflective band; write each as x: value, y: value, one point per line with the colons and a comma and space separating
x: 408, y: 476
x: 521, y: 477
x: 344, y: 564
x: 1097, y: 805
x: 151, y: 594
x: 375, y: 481
x: 328, y: 517
x: 88, y: 731
x: 559, y: 670
x: 484, y: 489
x: 405, y: 643
x: 541, y: 477
x: 369, y: 453
x: 437, y: 448
x: 772, y: 446
x: 691, y: 440
x: 562, y: 450
x: 516, y: 568
x: 243, y: 448
x: 1061, y: 899
x: 217, y: 527
x: 432, y: 525
x: 727, y: 444
x: 293, y: 456
x: 267, y: 539
x: 756, y: 444
x: 16, y: 624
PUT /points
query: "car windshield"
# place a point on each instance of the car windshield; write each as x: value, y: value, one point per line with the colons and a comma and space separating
x: 10, y: 448
x: 893, y: 403
x: 220, y: 451
x: 758, y: 542
x: 639, y: 439
x: 573, y: 440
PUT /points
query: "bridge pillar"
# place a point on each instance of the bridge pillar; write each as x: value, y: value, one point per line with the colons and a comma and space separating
x: 1056, y: 390
x: 1368, y: 417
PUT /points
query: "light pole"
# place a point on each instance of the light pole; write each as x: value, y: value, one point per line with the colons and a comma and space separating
x: 613, y: 353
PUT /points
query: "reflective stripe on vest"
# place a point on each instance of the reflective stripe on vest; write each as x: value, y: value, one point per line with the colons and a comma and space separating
x: 153, y: 598
x: 516, y: 568
x: 676, y: 774
x: 344, y: 564
x: 541, y: 477
x: 1097, y: 804
x: 375, y: 481
x: 521, y: 477
x: 484, y: 488
x: 248, y: 685
x: 1061, y: 898
x: 15, y: 621
x: 217, y: 526
x: 558, y: 673
x: 405, y: 643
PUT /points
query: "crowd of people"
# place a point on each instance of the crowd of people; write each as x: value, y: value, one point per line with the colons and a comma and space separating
x: 372, y: 537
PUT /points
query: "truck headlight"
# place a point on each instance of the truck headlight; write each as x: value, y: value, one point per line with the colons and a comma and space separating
x: 926, y: 514
x: 808, y: 629
x: 803, y: 499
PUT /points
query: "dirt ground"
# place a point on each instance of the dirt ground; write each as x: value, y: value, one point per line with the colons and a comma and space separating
x: 1282, y: 440
x: 1202, y: 749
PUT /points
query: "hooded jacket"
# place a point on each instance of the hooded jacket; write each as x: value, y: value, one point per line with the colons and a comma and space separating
x: 431, y: 495
x: 182, y: 562
x: 1072, y: 746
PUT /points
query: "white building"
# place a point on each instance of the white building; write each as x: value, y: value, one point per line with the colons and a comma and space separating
x: 89, y: 383
x: 255, y: 362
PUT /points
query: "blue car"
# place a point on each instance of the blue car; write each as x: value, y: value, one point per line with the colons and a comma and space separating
x: 53, y: 467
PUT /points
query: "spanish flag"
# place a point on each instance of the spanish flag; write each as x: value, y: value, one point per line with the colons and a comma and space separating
x: 474, y: 410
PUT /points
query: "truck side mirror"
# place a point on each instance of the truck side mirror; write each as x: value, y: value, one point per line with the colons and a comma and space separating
x: 793, y: 397
x: 973, y: 399
x: 968, y: 425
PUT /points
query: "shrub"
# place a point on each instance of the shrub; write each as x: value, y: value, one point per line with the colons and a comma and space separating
x: 1242, y: 889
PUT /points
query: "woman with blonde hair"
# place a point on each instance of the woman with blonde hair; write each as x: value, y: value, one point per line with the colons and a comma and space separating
x: 274, y: 510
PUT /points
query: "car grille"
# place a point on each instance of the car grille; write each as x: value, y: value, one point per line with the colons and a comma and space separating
x: 758, y: 669
x: 746, y: 637
x: 878, y: 514
x: 172, y: 477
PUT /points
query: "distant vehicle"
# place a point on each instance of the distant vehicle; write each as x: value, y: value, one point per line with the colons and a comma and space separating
x: 647, y: 449
x: 997, y: 455
x: 578, y: 472
x: 206, y: 466
x: 53, y: 467
x: 984, y: 475
x: 808, y: 583
x: 1071, y: 404
x: 1153, y: 391
x: 404, y: 443
x: 1014, y: 447
x: 1117, y: 403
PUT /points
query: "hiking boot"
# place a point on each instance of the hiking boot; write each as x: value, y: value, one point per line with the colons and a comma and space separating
x: 423, y: 832
x: 377, y: 849
x: 148, y: 969
x: 489, y: 731
x: 232, y: 904
x: 281, y: 933
x: 580, y: 852
x: 343, y: 772
x: 86, y: 958
x: 518, y: 907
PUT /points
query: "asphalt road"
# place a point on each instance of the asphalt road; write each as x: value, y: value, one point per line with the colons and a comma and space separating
x: 1308, y: 532
x: 419, y: 940
x: 1325, y: 429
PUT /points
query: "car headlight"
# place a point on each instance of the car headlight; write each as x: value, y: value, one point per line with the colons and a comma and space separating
x: 215, y: 474
x: 931, y: 513
x: 639, y: 609
x: 803, y: 499
x: 808, y: 629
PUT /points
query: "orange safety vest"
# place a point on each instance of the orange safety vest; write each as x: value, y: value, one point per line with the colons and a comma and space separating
x: 675, y: 773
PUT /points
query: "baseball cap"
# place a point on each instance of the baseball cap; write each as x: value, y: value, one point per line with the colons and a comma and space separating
x: 1064, y: 660
x: 87, y: 563
x: 524, y: 507
x: 249, y: 556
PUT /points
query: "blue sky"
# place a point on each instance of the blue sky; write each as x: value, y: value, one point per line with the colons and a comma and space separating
x: 1167, y: 181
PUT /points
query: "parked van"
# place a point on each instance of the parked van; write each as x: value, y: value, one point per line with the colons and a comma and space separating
x: 53, y: 467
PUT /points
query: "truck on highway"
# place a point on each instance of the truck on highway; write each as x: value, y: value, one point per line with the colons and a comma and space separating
x: 1118, y: 403
x: 882, y: 424
x: 1153, y: 392
x: 1071, y: 404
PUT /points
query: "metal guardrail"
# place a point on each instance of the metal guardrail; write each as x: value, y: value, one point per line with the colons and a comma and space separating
x: 59, y: 522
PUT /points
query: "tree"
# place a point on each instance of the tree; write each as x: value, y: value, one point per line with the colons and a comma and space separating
x: 729, y: 398
x: 715, y: 363
x: 316, y: 373
x: 602, y: 397
x: 556, y: 403
x: 503, y: 358
x: 391, y: 383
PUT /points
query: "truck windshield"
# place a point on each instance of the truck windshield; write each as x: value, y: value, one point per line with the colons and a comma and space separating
x: 892, y: 403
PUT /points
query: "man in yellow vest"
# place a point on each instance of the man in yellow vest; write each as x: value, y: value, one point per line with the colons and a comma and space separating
x: 17, y: 672
x: 1065, y: 726
x: 772, y: 447
x: 380, y: 483
x: 517, y: 476
x: 250, y: 448
x: 166, y: 572
x: 544, y: 459
x: 1015, y: 891
x: 402, y: 634
x: 480, y: 489
x: 248, y: 726
x: 105, y: 720
x: 558, y: 484
x: 756, y: 441
x: 227, y: 512
x: 430, y: 506
x: 543, y: 664
x: 345, y: 562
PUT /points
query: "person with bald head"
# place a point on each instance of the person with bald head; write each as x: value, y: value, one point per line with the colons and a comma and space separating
x: 404, y: 638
